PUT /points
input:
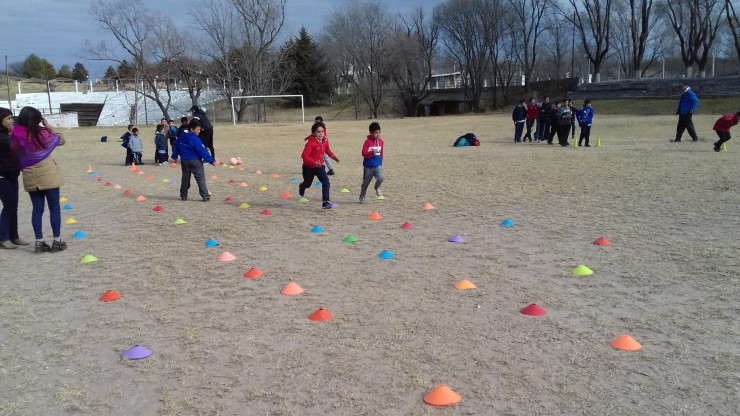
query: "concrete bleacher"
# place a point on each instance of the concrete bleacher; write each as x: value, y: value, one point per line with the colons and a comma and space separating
x: 117, y: 107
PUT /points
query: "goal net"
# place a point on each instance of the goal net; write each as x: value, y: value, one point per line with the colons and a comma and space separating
x: 267, y: 109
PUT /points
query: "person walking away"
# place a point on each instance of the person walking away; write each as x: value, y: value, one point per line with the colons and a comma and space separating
x: 160, y: 146
x: 9, y: 172
x: 313, y: 163
x: 136, y: 146
x: 32, y: 146
x: 532, y: 112
x: 372, y: 162
x: 686, y: 108
x: 191, y: 151
x: 585, y: 118
x: 206, y: 134
x: 722, y: 126
x: 519, y: 115
x: 327, y: 159
x: 565, y: 117
x: 543, y: 120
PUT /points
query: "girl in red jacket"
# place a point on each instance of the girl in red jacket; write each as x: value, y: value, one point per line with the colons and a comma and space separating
x: 313, y: 162
x: 722, y: 127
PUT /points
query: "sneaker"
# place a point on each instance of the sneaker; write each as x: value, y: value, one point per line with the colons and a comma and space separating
x: 58, y: 245
x: 301, y: 190
x: 6, y: 244
x: 330, y: 172
x: 378, y: 193
x: 326, y: 205
x: 362, y: 199
x: 587, y: 145
x: 716, y: 149
x: 42, y: 247
x: 184, y: 198
x: 19, y: 242
x: 208, y: 199
x: 676, y: 141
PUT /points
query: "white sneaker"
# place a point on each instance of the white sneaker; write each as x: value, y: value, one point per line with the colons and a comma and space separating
x: 378, y: 193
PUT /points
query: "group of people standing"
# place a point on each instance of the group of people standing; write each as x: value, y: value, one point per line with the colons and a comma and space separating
x: 559, y: 119
x: 27, y: 147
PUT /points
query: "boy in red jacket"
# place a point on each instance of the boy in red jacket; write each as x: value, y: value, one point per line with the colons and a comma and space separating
x: 313, y: 162
x: 722, y: 127
x: 372, y: 162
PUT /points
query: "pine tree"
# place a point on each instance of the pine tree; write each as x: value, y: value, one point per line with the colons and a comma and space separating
x: 65, y: 72
x: 79, y: 72
x: 313, y: 78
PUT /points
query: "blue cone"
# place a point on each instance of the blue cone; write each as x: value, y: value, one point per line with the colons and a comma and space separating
x: 318, y: 183
x: 67, y: 206
x: 79, y: 234
x: 507, y: 222
x: 211, y: 243
x: 317, y: 229
x: 385, y: 254
x: 293, y: 180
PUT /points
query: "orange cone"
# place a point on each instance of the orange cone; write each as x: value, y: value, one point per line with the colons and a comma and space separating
x: 127, y: 191
x: 442, y: 396
x: 465, y: 284
x: 602, y: 241
x: 291, y: 289
x: 286, y: 195
x: 626, y: 343
x: 228, y: 199
x: 252, y: 273
x: 428, y: 206
x: 132, y: 168
x: 320, y: 314
x: 100, y: 179
x: 407, y: 225
x: 375, y: 216
x: 226, y: 256
x: 140, y: 198
x: 150, y: 176
x: 110, y: 295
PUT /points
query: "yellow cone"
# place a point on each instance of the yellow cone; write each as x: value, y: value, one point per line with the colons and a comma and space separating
x: 575, y: 143
x: 243, y: 205
x: 88, y: 258
x: 724, y: 147
x: 598, y: 141
x: 70, y: 221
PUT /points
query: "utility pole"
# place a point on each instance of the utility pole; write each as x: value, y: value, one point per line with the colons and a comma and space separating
x: 48, y: 90
x: 7, y: 78
x: 573, y: 46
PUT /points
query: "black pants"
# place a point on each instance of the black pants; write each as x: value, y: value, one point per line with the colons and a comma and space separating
x: 585, y: 133
x: 563, y: 131
x: 206, y: 136
x: 723, y: 137
x: 553, y: 131
x: 530, y: 123
x: 685, y: 123
x: 320, y: 172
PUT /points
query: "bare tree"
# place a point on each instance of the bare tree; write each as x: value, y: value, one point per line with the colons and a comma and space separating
x: 528, y: 22
x: 593, y: 21
x: 416, y: 49
x: 555, y: 43
x: 361, y: 34
x: 150, y: 44
x: 734, y: 24
x: 695, y: 22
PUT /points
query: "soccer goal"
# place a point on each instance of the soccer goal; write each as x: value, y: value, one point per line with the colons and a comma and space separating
x: 267, y: 109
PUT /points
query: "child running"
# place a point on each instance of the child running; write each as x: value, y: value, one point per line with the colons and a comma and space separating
x: 372, y: 162
x: 722, y: 126
x: 313, y: 162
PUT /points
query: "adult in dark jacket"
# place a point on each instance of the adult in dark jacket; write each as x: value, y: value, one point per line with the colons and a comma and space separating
x: 543, y: 120
x: 686, y: 108
x: 191, y: 151
x: 206, y: 134
x: 9, y: 173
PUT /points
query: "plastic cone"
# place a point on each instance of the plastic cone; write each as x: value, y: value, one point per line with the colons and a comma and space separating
x: 274, y: 176
x: 70, y: 221
x: 286, y: 195
x: 380, y: 198
x: 214, y: 177
x: 139, y: 172
x: 88, y: 258
x: 229, y: 199
x: 243, y: 205
x: 89, y: 168
x: 602, y: 241
x: 407, y: 225
x: 303, y: 200
x: 100, y: 179
x: 158, y: 208
x: 508, y: 222
x: 320, y: 314
x: 110, y: 295
x: 172, y: 182
x: 350, y: 239
x: 291, y: 289
x: 344, y: 191
x: 132, y: 167
x: 180, y: 221
x: 241, y: 169
x: 317, y: 229
x: 375, y: 216
x: 533, y: 310
x: 598, y: 141
x: 575, y: 142
x: 242, y: 184
x: 173, y: 165
x: 79, y: 234
x: 294, y: 179
x: 333, y: 205
x: 723, y: 147
x: 108, y: 184
x: 263, y: 188
x: 226, y: 256
x: 140, y: 198
x: 136, y: 352
x: 428, y: 206
x: 266, y: 212
x: 127, y: 191
x: 232, y: 180
x: 386, y: 254
x: 626, y: 343
x: 258, y: 172
x: 442, y: 396
x: 582, y: 270
x: 319, y: 184
x: 150, y: 176
x: 63, y: 199
x: 116, y: 186
x: 252, y: 273
x: 211, y: 243
x: 464, y: 284
x: 67, y: 207
x: 457, y: 238
x: 165, y: 181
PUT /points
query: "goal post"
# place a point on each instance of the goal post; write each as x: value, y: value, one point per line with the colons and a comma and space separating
x: 258, y: 97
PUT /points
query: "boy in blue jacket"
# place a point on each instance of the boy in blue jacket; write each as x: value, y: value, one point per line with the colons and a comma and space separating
x: 585, y: 117
x: 192, y: 153
x: 686, y: 108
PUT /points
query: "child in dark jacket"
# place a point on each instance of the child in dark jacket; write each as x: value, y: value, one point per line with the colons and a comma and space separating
x: 125, y: 138
x: 372, y: 162
x: 191, y: 151
x: 160, y: 146
x: 519, y: 115
x: 722, y: 126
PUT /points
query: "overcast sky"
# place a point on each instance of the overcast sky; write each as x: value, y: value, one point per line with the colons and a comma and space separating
x: 57, y: 29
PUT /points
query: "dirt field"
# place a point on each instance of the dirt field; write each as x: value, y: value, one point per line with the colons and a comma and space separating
x: 227, y: 345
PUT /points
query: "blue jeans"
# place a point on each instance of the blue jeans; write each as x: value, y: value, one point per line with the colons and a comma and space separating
x: 320, y: 172
x: 55, y: 214
x: 518, y: 129
x: 9, y: 215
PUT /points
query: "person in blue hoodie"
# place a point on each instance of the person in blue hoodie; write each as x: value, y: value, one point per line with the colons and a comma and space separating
x: 519, y: 115
x: 372, y: 161
x: 686, y: 108
x: 191, y: 151
x: 585, y: 118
